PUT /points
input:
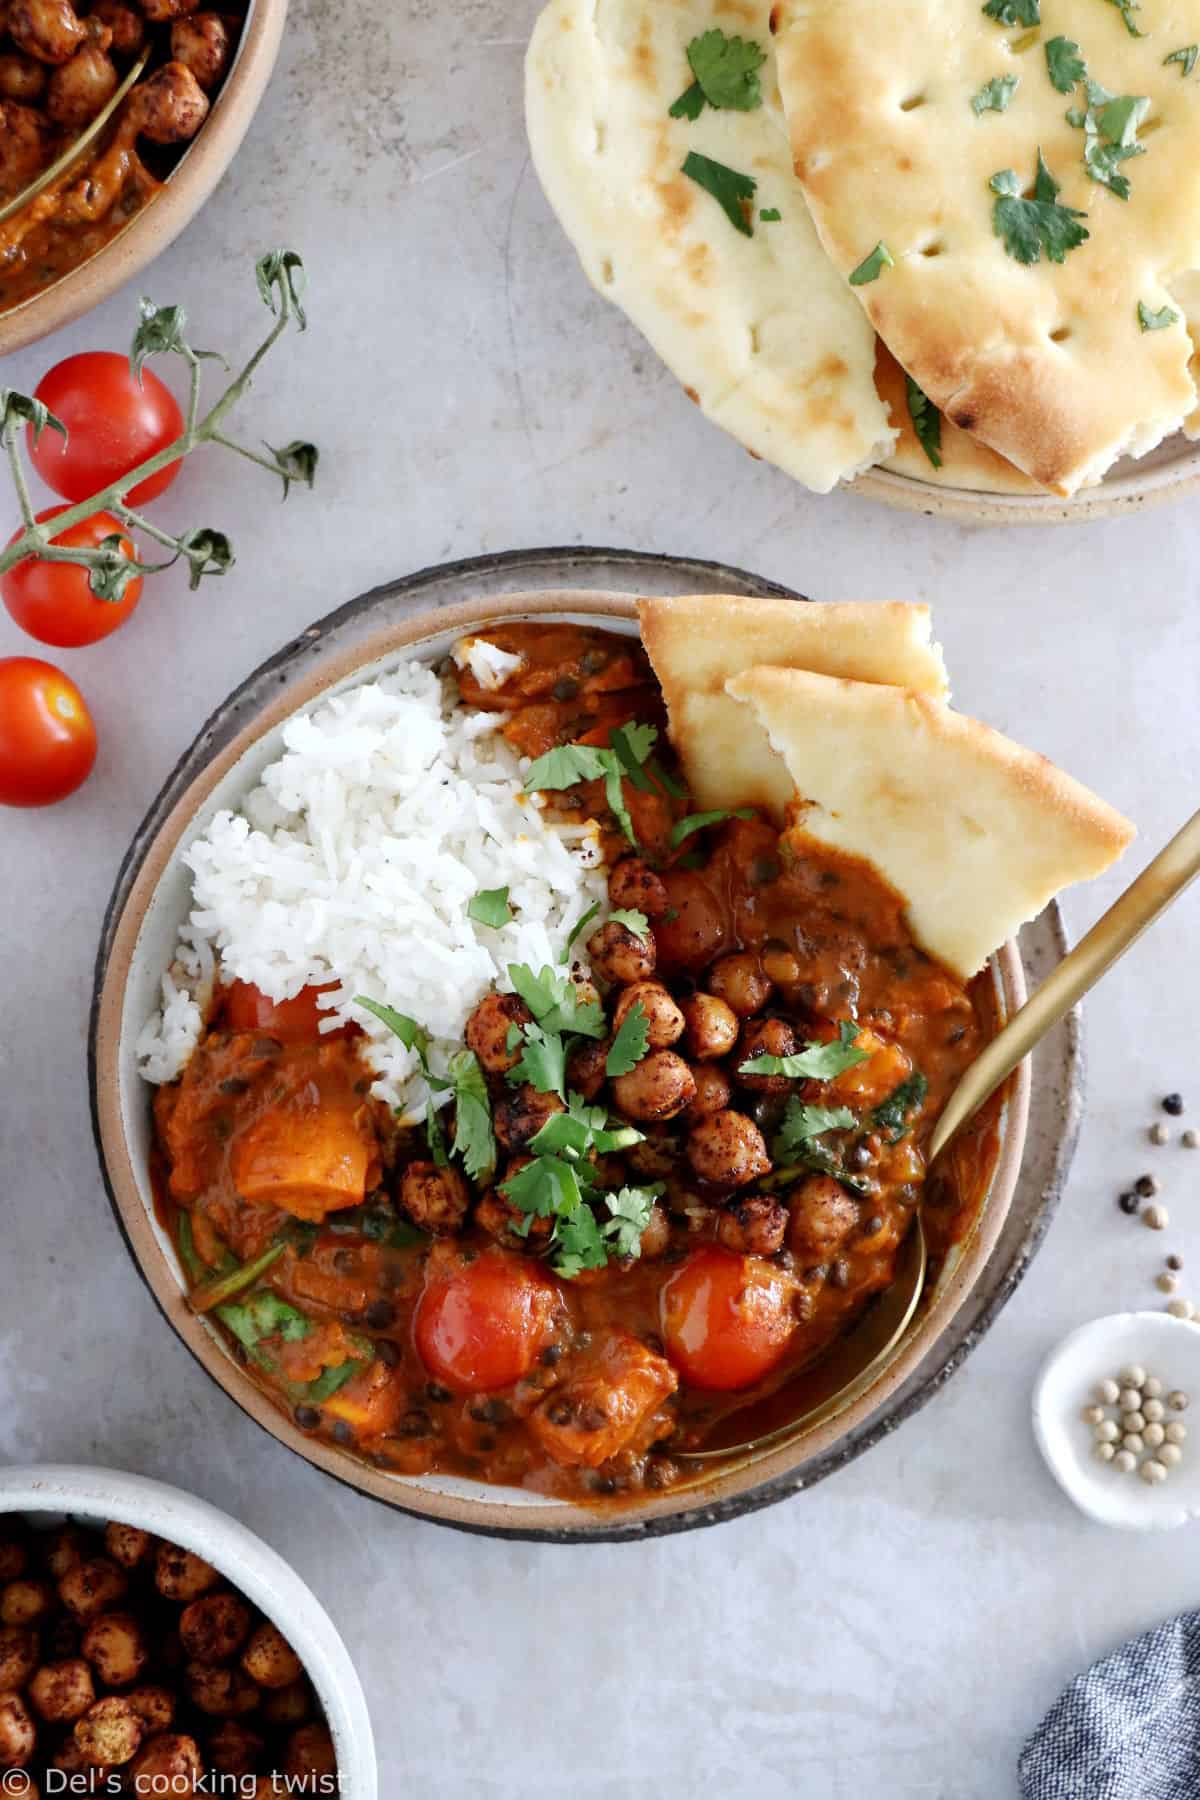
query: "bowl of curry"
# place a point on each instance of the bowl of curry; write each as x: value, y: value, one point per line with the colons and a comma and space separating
x: 117, y: 120
x: 456, y: 1339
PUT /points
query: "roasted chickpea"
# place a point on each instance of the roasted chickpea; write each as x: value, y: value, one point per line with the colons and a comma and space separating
x: 214, y: 1629
x: 656, y: 1238
x: 19, y: 1651
x: 310, y: 1752
x: 664, y: 1021
x: 507, y: 1223
x: 741, y: 982
x: 160, y: 12
x: 233, y: 1749
x: 728, y: 1149
x: 656, y: 1156
x: 25, y: 1601
x: 115, y: 1645
x: 62, y: 1692
x: 14, y: 1560
x: 269, y: 1659
x: 18, y: 1733
x: 126, y: 23
x: 154, y: 1706
x: 585, y: 1067
x: 127, y: 1544
x: 203, y: 44
x: 755, y: 1226
x: 169, y: 1757
x: 435, y: 1199
x: 64, y: 1548
x: 488, y: 1031
x: 658, y: 1087
x: 71, y: 1760
x: 713, y: 1091
x: 634, y: 887
x: 49, y: 30
x: 522, y: 1113
x: 221, y: 1693
x: 91, y: 1587
x: 823, y: 1216
x: 712, y: 1027
x: 178, y: 1575
x: 765, y: 1037
x: 21, y: 78
x: 79, y: 89
x: 288, y: 1705
x: 619, y: 955
x: 169, y: 107
x: 109, y: 1732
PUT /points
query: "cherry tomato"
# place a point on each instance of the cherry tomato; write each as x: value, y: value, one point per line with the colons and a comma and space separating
x: 113, y: 423
x: 47, y: 739
x: 726, y: 1319
x: 53, y: 602
x: 295, y: 1021
x: 481, y: 1325
x: 693, y: 930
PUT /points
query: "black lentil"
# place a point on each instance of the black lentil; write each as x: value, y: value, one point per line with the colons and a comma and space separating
x: 552, y: 1354
x: 437, y: 1393
x: 379, y: 1315
x: 307, y: 1418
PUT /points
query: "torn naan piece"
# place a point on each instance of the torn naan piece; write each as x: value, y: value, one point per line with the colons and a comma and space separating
x: 697, y: 642
x: 751, y: 317
x: 976, y: 833
x: 963, y: 461
x: 953, y: 157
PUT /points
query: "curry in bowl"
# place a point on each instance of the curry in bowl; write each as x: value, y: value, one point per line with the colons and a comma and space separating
x: 555, y: 1228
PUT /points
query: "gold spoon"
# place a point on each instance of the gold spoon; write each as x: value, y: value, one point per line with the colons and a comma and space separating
x: 73, y: 151
x: 849, y: 1367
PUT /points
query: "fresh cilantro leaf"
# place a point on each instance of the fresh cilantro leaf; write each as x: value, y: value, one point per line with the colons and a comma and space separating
x: 614, y: 794
x: 264, y: 1315
x: 578, y: 1244
x: 1185, y: 57
x: 727, y: 70
x: 581, y: 924
x: 731, y: 191
x: 994, y: 95
x: 666, y: 782
x: 545, y: 1188
x: 632, y: 744
x: 926, y: 421
x: 690, y: 103
x: 1014, y: 12
x: 543, y: 1062
x: 554, y: 1001
x: 435, y: 1137
x: 631, y: 1042
x: 411, y: 1035
x: 579, y: 1131
x: 871, y: 267
x: 816, y: 1062
x: 327, y: 1385
x: 630, y: 1209
x: 1064, y: 64
x: 803, y: 1123
x: 1156, y: 321
x: 1119, y: 116
x: 698, y: 822
x: 490, y: 906
x: 1127, y: 8
x: 474, y: 1141
x: 564, y: 767
x: 891, y: 1116
x: 770, y: 215
x: 631, y: 919
x: 1029, y: 227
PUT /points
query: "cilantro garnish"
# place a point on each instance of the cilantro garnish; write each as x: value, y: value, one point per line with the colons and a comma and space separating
x: 263, y: 1315
x: 579, y: 1131
x: 699, y: 822
x: 578, y: 1244
x: 1029, y: 227
x: 411, y: 1035
x: 816, y: 1062
x: 435, y: 1137
x: 558, y: 1185
x: 631, y: 919
x: 926, y: 421
x: 995, y: 95
x: 1156, y: 321
x: 473, y: 1137
x: 1064, y: 65
x: 569, y: 764
x: 1186, y: 57
x: 803, y: 1123
x: 1110, y: 135
x: 581, y: 924
x: 631, y: 1042
x: 726, y: 72
x: 770, y: 215
x: 1127, y: 8
x: 872, y: 266
x: 630, y: 1209
x: 892, y: 1116
x: 731, y: 190
x: 565, y: 766
x: 543, y: 1062
x: 632, y: 744
x: 1014, y: 12
x: 490, y: 906
x: 554, y: 1000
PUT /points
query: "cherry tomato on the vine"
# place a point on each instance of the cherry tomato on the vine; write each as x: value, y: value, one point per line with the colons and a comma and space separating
x: 114, y: 422
x: 47, y: 738
x: 53, y: 602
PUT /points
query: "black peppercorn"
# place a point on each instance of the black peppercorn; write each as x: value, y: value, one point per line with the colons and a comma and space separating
x: 1128, y: 1203
x: 1173, y: 1104
x: 1147, y: 1186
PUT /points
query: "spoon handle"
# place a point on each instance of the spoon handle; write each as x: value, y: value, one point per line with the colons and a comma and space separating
x: 1161, y: 882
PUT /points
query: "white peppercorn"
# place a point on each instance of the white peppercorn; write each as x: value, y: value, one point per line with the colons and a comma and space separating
x: 1130, y: 1400
x: 1176, y: 1433
x: 1133, y: 1441
x: 1152, y: 1387
x: 1166, y: 1284
x: 1106, y: 1432
x: 1105, y: 1452
x: 1093, y: 1415
x: 1154, y: 1410
x: 1153, y: 1471
x: 1191, y: 1138
x: 1125, y: 1461
x: 1133, y: 1421
x: 1177, y: 1400
x: 1156, y: 1217
x: 1132, y: 1375
x: 1179, y: 1308
x: 1108, y: 1391
x: 1170, y: 1454
x: 1153, y: 1436
x: 1158, y: 1132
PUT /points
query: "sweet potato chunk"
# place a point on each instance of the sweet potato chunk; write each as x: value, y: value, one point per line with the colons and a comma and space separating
x: 307, y: 1161
x: 606, y: 1406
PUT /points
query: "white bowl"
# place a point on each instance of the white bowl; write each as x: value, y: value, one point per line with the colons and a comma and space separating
x: 249, y: 1564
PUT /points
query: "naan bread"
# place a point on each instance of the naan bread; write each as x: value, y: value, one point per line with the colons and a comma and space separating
x: 1046, y: 364
x: 966, y: 462
x: 974, y: 831
x: 698, y: 642
x: 761, y: 331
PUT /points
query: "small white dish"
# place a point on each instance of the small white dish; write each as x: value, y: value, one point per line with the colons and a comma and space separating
x: 1163, y: 1346
x: 252, y: 1566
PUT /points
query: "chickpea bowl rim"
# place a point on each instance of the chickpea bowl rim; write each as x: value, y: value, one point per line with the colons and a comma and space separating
x: 741, y: 1484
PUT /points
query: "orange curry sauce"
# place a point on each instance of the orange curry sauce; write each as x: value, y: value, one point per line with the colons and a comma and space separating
x: 271, y: 1145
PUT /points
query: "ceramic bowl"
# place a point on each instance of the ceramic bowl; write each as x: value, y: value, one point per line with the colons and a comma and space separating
x: 48, y: 1492
x: 152, y: 900
x: 187, y: 188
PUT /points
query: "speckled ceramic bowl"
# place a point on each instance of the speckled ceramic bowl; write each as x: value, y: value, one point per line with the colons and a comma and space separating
x: 152, y: 898
x: 183, y: 194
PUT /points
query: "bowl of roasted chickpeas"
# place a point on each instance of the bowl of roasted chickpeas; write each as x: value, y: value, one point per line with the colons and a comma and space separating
x: 150, y: 1644
x: 117, y: 119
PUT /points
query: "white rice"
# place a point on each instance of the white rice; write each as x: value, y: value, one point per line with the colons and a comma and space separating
x: 354, y: 862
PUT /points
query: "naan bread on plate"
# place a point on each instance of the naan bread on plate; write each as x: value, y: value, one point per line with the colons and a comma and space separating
x: 965, y: 461
x: 761, y: 330
x: 697, y: 642
x: 1061, y: 366
x: 975, y: 832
